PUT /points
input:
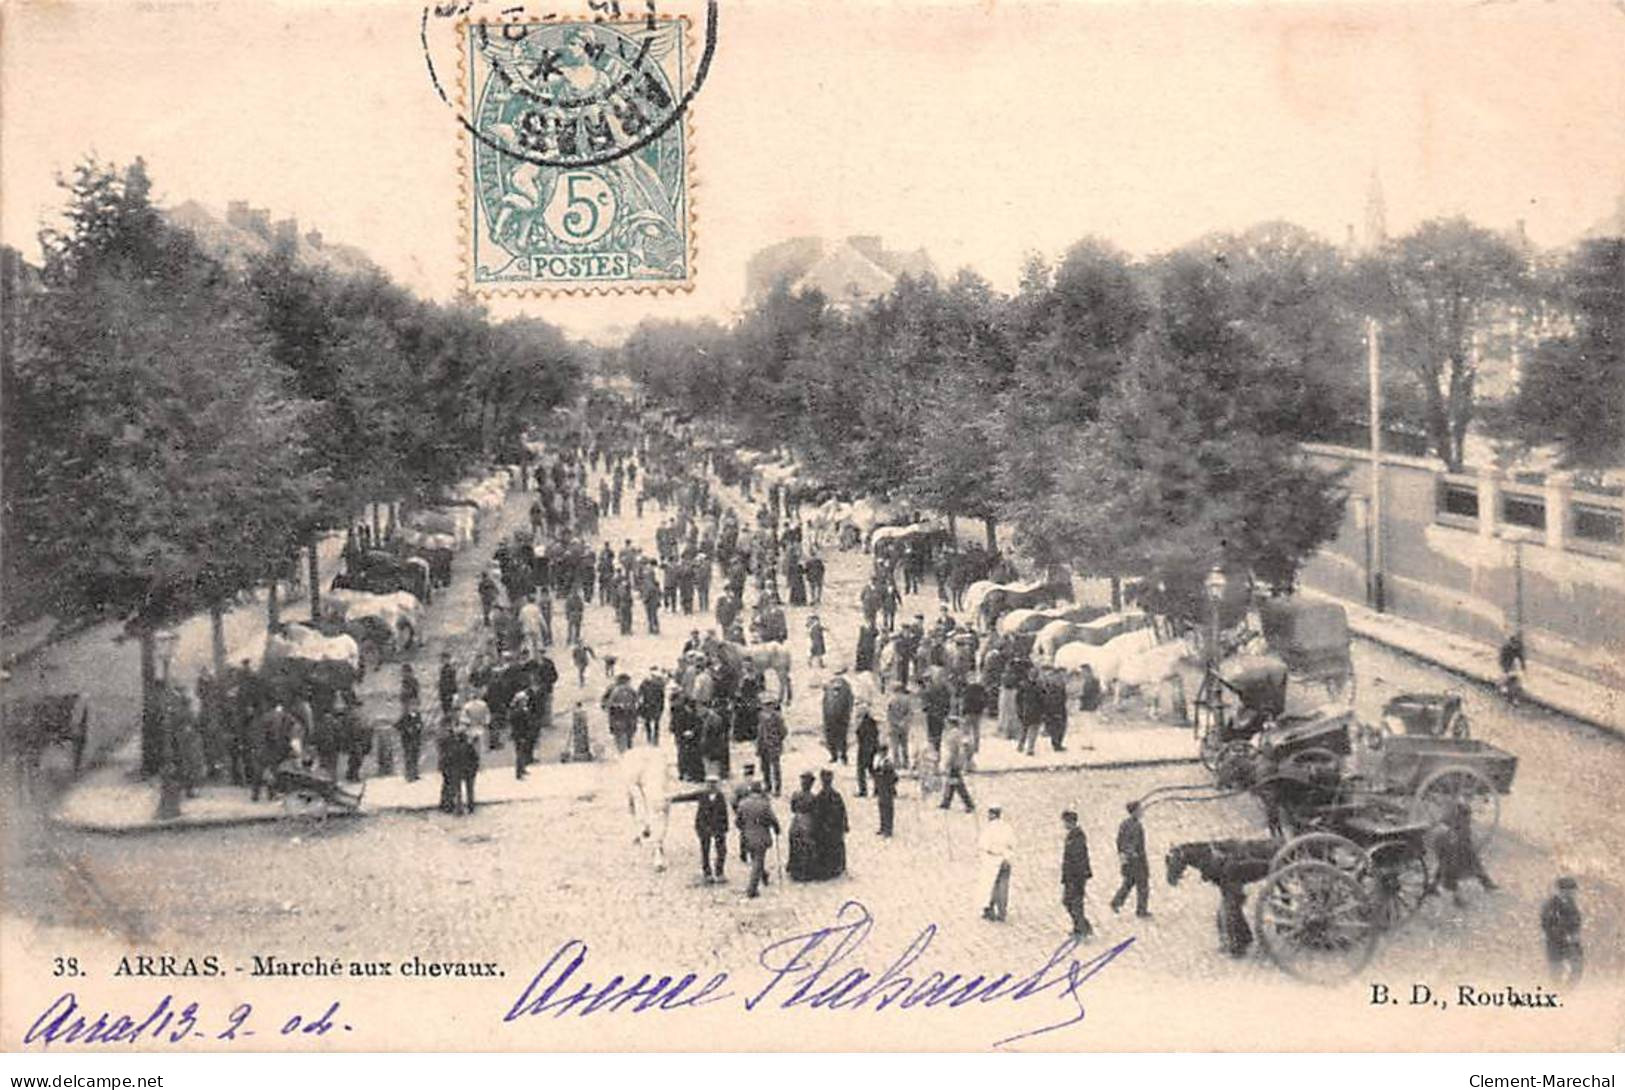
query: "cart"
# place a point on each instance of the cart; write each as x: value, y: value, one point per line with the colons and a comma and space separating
x: 309, y: 785
x: 1237, y: 700
x: 1433, y: 715
x: 1432, y: 773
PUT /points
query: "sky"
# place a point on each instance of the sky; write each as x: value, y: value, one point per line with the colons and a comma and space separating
x: 979, y: 131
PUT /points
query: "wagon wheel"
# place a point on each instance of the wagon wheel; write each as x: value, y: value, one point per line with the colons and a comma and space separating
x: 1314, y: 762
x: 1234, y: 765
x: 409, y: 635
x: 1436, y: 793
x: 1339, y: 851
x: 1397, y: 882
x: 1315, y: 921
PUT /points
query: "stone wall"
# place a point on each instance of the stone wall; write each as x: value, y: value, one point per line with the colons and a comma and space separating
x: 1477, y: 553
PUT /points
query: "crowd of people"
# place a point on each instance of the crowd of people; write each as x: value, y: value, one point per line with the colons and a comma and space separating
x: 913, y: 699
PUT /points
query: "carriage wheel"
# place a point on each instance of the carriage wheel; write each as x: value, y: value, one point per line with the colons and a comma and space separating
x: 1447, y: 785
x: 409, y: 635
x: 1208, y: 746
x: 1234, y: 766
x: 1339, y: 851
x: 1315, y: 922
x: 1397, y: 882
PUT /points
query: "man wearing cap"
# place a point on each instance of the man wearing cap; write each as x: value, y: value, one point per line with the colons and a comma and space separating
x: 742, y: 789
x: 1075, y: 873
x: 651, y: 704
x: 955, y: 753
x: 1132, y: 861
x: 620, y: 700
x: 1560, y: 924
x: 770, y: 746
x: 837, y: 707
x: 995, y: 847
x: 898, y: 713
x: 936, y: 700
x: 885, y: 792
x: 868, y: 745
x: 757, y: 829
x: 714, y: 740
x: 711, y: 826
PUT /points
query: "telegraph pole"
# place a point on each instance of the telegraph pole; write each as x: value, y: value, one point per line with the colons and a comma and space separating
x: 1374, y: 527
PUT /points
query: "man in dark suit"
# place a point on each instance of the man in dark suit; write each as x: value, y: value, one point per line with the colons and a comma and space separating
x: 651, y: 704
x: 885, y: 792
x: 1075, y: 873
x: 711, y: 826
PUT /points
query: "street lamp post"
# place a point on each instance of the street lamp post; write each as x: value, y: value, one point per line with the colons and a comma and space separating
x: 169, y: 771
x: 1215, y: 585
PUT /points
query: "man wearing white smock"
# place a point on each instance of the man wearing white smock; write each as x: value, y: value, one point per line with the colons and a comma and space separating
x: 995, y: 848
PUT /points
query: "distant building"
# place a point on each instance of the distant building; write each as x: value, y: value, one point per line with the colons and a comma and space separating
x: 246, y: 232
x: 848, y: 273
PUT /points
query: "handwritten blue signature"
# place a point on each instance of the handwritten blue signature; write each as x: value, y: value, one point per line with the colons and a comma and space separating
x: 806, y: 971
x: 166, y: 1022
x: 813, y: 970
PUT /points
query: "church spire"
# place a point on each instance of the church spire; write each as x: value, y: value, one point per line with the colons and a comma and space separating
x: 1376, y: 214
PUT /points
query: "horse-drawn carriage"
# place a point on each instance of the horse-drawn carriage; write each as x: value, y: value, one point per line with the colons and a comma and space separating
x: 1350, y: 854
x: 1309, y: 657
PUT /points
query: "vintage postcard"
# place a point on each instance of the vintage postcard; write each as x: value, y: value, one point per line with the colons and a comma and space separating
x: 656, y: 525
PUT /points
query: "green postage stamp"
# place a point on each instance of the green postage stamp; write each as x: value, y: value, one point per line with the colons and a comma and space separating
x: 576, y: 171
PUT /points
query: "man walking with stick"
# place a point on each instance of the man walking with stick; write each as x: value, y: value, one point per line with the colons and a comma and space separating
x: 758, y: 830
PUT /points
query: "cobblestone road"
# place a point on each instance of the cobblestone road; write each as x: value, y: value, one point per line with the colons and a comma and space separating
x: 512, y: 882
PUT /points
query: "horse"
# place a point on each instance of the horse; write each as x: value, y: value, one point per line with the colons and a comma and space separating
x: 1128, y: 661
x: 770, y: 658
x: 989, y: 601
x: 398, y: 613
x: 1231, y: 865
x: 648, y: 797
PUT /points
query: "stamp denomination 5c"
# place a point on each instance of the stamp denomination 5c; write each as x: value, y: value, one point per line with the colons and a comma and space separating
x: 576, y: 172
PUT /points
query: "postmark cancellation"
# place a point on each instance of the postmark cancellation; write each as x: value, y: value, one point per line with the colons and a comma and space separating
x: 577, y: 156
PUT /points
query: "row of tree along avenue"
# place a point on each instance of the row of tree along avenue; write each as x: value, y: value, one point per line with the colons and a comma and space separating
x: 1144, y: 417
x: 179, y: 429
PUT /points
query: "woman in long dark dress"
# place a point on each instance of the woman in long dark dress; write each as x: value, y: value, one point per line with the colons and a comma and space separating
x: 830, y: 828
x: 803, y: 865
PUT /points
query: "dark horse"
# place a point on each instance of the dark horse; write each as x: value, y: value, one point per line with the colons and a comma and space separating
x: 1231, y: 865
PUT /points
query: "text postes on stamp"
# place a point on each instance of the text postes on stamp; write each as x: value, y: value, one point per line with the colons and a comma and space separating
x: 577, y: 164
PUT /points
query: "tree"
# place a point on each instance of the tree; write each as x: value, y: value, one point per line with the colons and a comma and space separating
x: 1436, y: 291
x: 164, y: 464
x: 1071, y: 331
x: 1572, y: 392
x: 1192, y: 458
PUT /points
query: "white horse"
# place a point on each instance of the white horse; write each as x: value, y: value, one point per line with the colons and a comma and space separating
x: 298, y: 641
x: 1130, y: 661
x: 648, y: 797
